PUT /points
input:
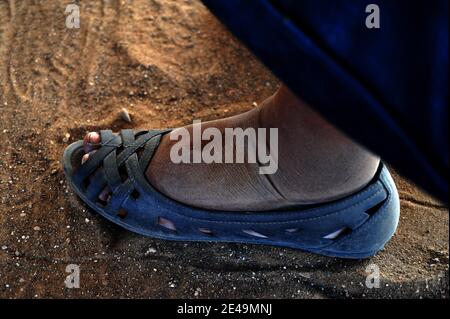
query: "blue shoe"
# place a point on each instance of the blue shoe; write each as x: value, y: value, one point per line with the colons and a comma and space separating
x: 357, y: 226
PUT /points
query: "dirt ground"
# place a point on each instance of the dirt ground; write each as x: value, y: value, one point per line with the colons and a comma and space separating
x: 167, y: 62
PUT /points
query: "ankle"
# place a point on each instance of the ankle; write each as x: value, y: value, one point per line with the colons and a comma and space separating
x: 317, y: 162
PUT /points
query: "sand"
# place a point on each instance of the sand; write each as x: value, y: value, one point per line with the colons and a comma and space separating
x: 167, y: 62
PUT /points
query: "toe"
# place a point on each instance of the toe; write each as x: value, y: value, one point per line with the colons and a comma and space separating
x: 91, y: 141
x: 104, y: 195
x: 86, y: 156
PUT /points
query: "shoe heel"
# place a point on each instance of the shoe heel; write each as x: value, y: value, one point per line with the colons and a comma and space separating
x: 369, y: 238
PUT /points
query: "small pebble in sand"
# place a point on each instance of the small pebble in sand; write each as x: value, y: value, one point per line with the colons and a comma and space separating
x: 36, y: 228
x: 66, y: 138
x: 150, y: 251
x: 4, y: 247
x: 125, y: 115
x: 86, y: 220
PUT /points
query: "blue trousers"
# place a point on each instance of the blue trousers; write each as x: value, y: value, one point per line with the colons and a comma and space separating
x: 386, y: 87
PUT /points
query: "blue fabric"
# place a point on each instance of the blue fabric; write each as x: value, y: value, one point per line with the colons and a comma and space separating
x: 387, y: 88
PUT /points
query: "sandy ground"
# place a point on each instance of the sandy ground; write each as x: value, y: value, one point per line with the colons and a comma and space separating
x: 168, y: 62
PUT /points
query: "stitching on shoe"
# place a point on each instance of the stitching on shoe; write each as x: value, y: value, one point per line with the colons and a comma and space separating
x: 359, y: 229
x: 284, y: 222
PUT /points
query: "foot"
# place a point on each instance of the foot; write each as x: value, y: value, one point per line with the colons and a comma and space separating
x: 316, y: 163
